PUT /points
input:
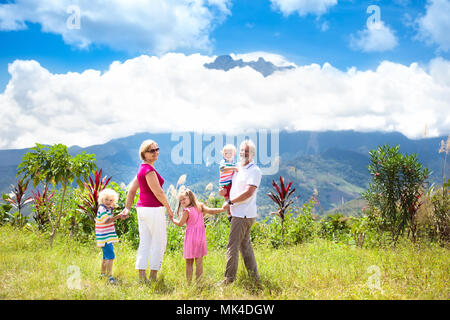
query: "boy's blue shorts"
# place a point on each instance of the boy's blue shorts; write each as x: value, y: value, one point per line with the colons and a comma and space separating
x: 108, y: 251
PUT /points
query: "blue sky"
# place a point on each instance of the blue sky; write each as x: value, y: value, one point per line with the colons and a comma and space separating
x: 73, y: 63
x: 252, y: 25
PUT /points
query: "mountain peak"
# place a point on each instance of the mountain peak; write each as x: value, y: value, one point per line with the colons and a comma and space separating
x: 226, y: 62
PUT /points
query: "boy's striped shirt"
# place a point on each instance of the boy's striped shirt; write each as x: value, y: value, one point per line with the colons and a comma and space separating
x: 225, y: 177
x: 105, y: 233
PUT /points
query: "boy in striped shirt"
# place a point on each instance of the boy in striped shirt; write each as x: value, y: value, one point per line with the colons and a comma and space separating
x: 105, y: 231
x: 227, y: 168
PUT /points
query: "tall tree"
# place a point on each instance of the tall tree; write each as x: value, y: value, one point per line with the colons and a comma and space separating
x: 54, y: 165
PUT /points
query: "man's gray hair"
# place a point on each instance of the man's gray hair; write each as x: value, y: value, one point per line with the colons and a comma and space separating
x: 251, y: 147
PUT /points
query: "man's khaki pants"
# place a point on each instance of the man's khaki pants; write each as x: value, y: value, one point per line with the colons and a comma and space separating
x: 239, y: 240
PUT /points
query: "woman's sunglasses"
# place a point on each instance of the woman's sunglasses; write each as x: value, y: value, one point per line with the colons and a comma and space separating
x: 153, y: 150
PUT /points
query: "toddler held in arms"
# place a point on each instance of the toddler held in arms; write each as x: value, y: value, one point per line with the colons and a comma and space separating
x: 227, y: 168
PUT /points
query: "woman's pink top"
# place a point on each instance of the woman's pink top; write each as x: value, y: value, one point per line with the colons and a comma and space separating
x: 146, y: 195
x: 195, y: 235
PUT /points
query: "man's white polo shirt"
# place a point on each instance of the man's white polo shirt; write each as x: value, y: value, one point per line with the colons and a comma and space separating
x: 247, y: 175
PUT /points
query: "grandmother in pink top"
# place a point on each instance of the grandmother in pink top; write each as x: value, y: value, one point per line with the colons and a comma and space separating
x: 150, y: 212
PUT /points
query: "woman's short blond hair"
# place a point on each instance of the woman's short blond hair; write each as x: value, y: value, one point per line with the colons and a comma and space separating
x: 108, y: 193
x: 144, y: 147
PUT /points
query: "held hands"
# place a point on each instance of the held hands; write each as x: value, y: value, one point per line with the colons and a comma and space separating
x: 225, y: 206
x: 124, y: 214
x: 170, y: 213
x: 180, y: 222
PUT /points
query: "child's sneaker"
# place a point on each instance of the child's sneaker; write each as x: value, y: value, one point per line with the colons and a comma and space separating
x: 111, y: 280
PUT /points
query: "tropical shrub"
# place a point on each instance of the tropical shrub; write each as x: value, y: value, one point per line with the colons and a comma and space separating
x: 17, y: 199
x: 5, y: 216
x: 303, y: 226
x: 396, y: 189
x: 440, y: 199
x: 282, y: 199
x: 258, y: 232
x: 43, y: 206
x: 336, y: 227
x: 274, y: 229
x: 93, y: 187
x: 362, y: 230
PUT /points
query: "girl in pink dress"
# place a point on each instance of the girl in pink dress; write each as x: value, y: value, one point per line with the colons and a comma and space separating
x: 195, y: 235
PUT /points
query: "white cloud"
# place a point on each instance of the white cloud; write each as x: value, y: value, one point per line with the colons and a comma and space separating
x: 303, y: 7
x: 434, y: 26
x: 135, y: 25
x: 176, y: 93
x: 375, y: 37
x: 440, y: 71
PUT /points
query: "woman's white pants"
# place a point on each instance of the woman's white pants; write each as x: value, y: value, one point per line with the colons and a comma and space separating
x: 152, y: 237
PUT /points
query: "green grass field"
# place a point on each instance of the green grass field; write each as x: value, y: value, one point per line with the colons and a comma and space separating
x: 30, y: 269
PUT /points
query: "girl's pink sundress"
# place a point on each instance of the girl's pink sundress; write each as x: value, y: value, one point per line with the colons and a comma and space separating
x: 195, y: 235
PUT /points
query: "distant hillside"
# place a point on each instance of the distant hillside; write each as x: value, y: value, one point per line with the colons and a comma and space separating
x: 334, y: 162
x: 336, y: 175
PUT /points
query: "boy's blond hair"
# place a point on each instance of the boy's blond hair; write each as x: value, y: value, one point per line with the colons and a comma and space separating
x: 229, y: 147
x: 108, y: 193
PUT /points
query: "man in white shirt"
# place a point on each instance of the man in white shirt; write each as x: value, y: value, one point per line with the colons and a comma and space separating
x: 242, y: 203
